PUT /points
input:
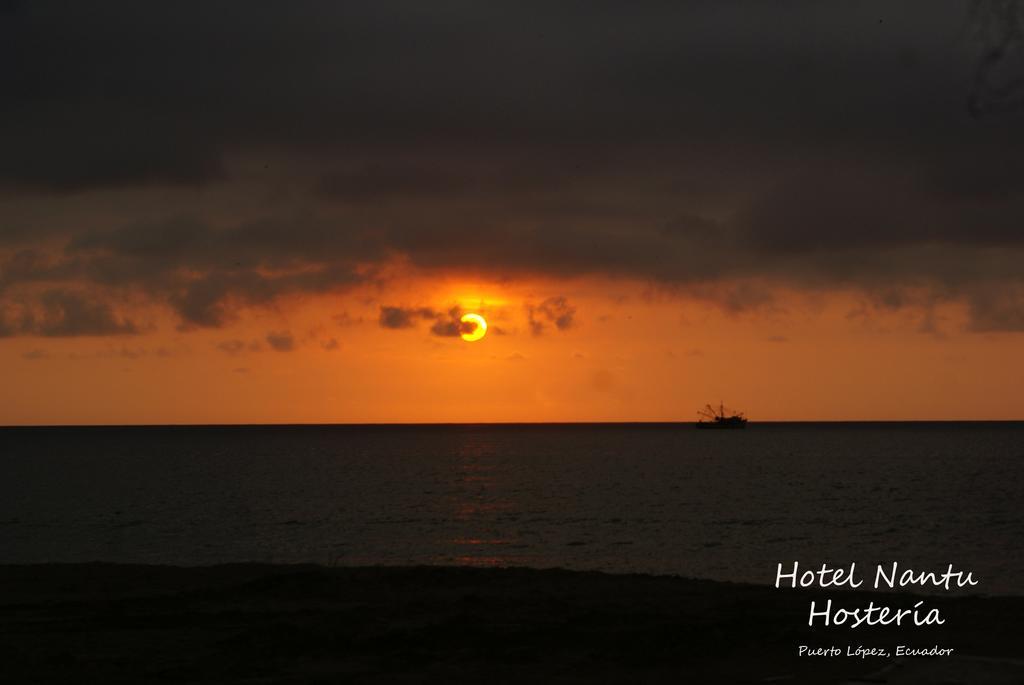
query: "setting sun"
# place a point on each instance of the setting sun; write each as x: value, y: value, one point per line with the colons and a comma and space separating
x: 476, y: 327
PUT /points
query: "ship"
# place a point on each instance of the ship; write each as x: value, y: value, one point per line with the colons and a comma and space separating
x: 720, y: 417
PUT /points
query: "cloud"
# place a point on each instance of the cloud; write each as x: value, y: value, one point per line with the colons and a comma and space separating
x: 281, y: 341
x: 331, y: 344
x: 554, y: 310
x: 445, y: 324
x: 718, y: 150
x: 62, y: 314
x: 133, y: 82
x: 993, y: 308
x: 375, y: 182
x: 450, y: 325
x: 206, y: 274
x: 67, y: 314
x: 400, y: 317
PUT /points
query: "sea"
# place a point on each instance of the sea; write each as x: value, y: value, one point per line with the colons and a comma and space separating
x: 620, y: 498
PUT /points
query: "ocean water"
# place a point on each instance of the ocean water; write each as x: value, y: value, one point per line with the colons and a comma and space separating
x: 726, y: 505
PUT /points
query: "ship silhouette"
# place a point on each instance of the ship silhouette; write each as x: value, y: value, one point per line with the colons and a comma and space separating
x: 720, y: 417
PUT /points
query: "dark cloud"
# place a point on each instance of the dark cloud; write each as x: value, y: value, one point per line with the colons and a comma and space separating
x: 61, y: 314
x: 993, y: 308
x: 444, y: 324
x: 717, y: 149
x: 11, y: 6
x: 162, y: 95
x: 401, y: 317
x: 281, y: 341
x: 553, y: 311
x: 68, y: 314
x: 378, y: 182
x: 997, y: 30
x: 450, y: 325
x: 446, y: 328
x: 203, y: 272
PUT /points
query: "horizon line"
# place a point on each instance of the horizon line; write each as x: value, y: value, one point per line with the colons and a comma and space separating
x: 428, y: 424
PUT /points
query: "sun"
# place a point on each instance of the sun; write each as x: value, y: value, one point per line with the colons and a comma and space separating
x: 474, y: 328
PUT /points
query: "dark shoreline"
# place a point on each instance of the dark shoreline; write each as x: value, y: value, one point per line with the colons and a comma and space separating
x: 112, y: 623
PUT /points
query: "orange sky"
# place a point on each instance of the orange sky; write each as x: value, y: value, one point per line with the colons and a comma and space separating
x: 240, y: 216
x: 630, y: 354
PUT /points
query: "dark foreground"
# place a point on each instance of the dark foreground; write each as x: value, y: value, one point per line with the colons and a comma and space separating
x: 96, y: 623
